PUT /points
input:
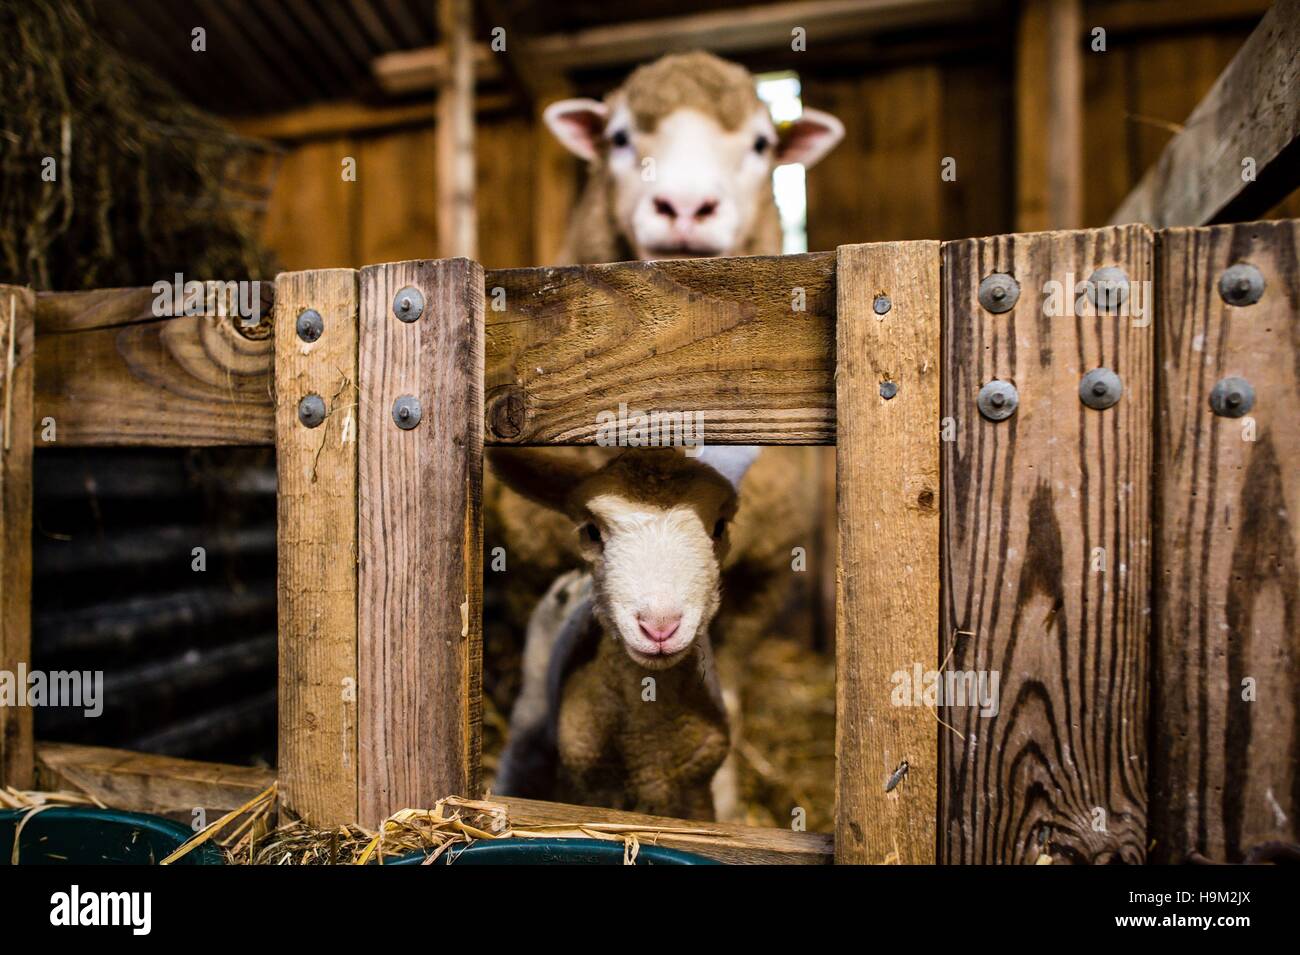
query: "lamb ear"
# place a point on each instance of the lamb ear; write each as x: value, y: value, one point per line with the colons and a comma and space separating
x: 732, y: 462
x: 545, y: 476
x: 809, y: 138
x: 578, y: 124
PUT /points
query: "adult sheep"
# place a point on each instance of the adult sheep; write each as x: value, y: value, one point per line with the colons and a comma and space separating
x: 680, y: 163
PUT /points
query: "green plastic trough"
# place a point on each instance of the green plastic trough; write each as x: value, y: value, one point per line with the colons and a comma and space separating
x: 554, y: 852
x: 76, y: 835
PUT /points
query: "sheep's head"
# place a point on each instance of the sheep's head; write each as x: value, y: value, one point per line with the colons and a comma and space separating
x: 686, y: 148
x: 652, y: 524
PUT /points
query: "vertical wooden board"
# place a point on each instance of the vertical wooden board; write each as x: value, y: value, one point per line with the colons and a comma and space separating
x: 398, y: 214
x: 894, y: 135
x: 1226, y: 768
x: 1047, y: 555
x: 1049, y: 115
x: 17, y: 341
x: 887, y: 603
x: 311, y: 221
x: 421, y: 608
x: 316, y: 548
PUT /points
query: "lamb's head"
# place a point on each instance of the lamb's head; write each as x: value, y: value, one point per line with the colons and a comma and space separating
x: 652, y: 524
x: 684, y: 150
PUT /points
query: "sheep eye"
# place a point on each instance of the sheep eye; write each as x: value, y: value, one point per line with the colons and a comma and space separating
x: 719, y: 529
x: 761, y: 144
x: 591, y: 532
x: 619, y: 139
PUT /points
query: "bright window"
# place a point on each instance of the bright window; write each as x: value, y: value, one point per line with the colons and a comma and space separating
x: 781, y: 92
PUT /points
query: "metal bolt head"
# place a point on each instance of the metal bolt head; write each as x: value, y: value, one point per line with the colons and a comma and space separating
x: 888, y: 389
x: 1241, y: 285
x: 1108, y: 289
x: 1100, y: 388
x: 882, y: 304
x: 406, y: 412
x: 1232, y: 398
x: 999, y: 292
x: 408, y: 304
x: 998, y: 400
x: 310, y: 325
x: 311, y: 411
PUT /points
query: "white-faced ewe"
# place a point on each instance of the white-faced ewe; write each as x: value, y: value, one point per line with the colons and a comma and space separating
x: 621, y: 704
x: 680, y: 162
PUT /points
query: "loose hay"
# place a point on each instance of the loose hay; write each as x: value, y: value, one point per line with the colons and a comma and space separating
x: 436, y: 833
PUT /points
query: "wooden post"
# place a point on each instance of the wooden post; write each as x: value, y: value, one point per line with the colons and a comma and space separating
x: 317, y: 545
x: 1049, y: 116
x: 1047, y: 554
x: 887, y: 603
x: 457, y: 211
x: 17, y: 341
x: 421, y: 537
x: 1227, y: 655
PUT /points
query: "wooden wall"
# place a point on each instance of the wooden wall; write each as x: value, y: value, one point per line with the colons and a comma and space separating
x: 882, y: 183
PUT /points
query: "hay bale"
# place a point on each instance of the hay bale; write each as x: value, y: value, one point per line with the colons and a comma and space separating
x: 144, y: 184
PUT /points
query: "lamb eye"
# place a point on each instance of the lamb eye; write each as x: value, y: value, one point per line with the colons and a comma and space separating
x: 719, y: 529
x: 761, y: 144
x: 591, y: 532
x: 619, y: 139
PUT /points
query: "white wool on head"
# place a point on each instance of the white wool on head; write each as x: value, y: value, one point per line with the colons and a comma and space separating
x: 731, y: 461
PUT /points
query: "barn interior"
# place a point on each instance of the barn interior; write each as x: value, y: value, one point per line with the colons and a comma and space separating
x: 963, y: 118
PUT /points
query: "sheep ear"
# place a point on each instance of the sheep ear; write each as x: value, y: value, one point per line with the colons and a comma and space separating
x: 545, y: 476
x: 578, y: 124
x: 809, y: 138
x: 732, y: 462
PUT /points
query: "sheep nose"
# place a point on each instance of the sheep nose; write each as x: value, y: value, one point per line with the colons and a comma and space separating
x: 659, y: 627
x: 678, y: 208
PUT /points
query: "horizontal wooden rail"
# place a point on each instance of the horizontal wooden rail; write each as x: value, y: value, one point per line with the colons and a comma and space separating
x: 748, y: 342
x: 141, y: 782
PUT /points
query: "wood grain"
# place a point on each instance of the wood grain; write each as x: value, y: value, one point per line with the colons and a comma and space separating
x: 17, y: 338
x: 420, y: 611
x: 714, y: 335
x: 188, y: 381
x: 737, y: 845
x: 316, y: 549
x: 887, y: 462
x: 144, y: 782
x: 1046, y: 557
x: 1226, y: 769
x: 1252, y: 111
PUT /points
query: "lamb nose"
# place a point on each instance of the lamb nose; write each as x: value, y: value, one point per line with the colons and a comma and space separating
x: 661, y: 627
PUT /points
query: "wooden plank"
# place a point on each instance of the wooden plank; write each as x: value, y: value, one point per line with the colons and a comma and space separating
x: 457, y: 217
x: 317, y: 548
x: 721, y: 336
x: 144, y: 782
x: 1122, y: 16
x: 887, y: 603
x: 188, y: 381
x: 1226, y: 758
x: 420, y: 539
x: 1046, y: 556
x: 1252, y: 112
x: 734, y: 844
x: 17, y: 340
x: 1049, y: 116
